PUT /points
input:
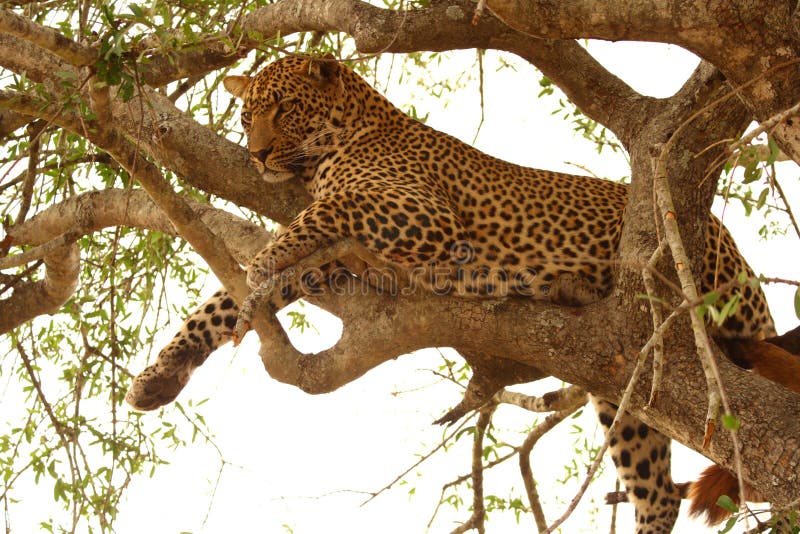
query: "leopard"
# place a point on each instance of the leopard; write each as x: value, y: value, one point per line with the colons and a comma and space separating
x: 449, y: 217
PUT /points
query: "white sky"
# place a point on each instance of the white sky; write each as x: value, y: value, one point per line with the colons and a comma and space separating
x: 295, y: 460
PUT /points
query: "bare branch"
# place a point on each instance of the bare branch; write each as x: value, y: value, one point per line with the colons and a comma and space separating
x: 46, y: 38
x: 34, y: 131
x: 587, y: 83
x: 21, y: 56
x: 525, y: 449
x: 87, y: 213
x: 42, y: 251
x: 649, y: 20
x: 46, y: 295
x: 476, y: 519
x: 131, y: 207
x: 764, y: 126
x: 215, y: 53
x: 11, y: 120
x: 656, y: 314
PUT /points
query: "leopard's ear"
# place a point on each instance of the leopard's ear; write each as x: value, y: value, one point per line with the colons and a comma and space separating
x: 237, y: 85
x: 323, y: 70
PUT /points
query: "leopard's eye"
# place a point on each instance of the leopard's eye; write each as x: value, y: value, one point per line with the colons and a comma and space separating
x: 285, y: 106
x: 247, y: 118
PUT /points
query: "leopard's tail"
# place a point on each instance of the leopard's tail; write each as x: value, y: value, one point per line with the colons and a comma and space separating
x: 713, y: 483
x: 776, y: 358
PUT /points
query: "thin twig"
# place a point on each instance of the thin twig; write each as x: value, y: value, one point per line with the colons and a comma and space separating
x: 58, y: 426
x: 655, y: 312
x: 785, y: 200
x: 524, y: 451
x: 481, y: 92
x: 47, y: 38
x: 716, y: 394
x: 419, y: 462
x: 34, y: 130
x: 763, y: 127
x: 40, y: 252
x: 476, y: 520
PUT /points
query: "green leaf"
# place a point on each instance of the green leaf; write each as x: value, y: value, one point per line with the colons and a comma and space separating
x: 751, y: 173
x: 108, y: 14
x: 729, y: 524
x: 762, y: 198
x: 797, y: 302
x: 773, y: 151
x: 58, y: 490
x: 137, y: 11
x: 727, y: 503
x: 731, y: 422
x: 729, y: 308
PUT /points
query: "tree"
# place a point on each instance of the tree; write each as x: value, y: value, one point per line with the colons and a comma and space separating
x: 125, y: 144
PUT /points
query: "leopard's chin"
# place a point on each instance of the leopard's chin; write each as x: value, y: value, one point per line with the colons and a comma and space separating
x: 275, y: 177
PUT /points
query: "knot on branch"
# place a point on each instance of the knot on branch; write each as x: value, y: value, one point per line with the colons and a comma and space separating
x: 163, y: 126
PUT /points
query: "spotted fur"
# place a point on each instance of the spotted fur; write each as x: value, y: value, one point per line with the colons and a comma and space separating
x: 447, y: 216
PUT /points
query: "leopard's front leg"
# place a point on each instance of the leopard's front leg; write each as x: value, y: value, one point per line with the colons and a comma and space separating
x: 212, y: 324
x: 296, y: 275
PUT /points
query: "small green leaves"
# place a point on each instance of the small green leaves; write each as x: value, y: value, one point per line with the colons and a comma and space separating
x: 547, y: 86
x: 727, y: 503
x: 718, y: 315
x: 729, y: 524
x: 731, y: 422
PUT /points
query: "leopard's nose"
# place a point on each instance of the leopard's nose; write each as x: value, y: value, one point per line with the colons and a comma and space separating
x: 260, y: 155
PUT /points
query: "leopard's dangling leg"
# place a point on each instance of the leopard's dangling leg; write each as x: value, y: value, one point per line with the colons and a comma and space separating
x: 209, y: 327
x: 642, y: 458
x: 205, y: 330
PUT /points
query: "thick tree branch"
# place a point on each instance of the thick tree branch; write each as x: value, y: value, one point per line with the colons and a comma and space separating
x: 49, y: 39
x: 20, y: 56
x: 753, y: 43
x: 615, y: 20
x: 93, y: 211
x: 161, y: 69
x: 96, y: 210
x: 448, y: 26
x: 47, y: 295
x: 11, y: 120
x: 380, y: 327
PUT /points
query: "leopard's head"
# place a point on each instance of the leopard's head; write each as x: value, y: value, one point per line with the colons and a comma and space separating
x: 284, y: 107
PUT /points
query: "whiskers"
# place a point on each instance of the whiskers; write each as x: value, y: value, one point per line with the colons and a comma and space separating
x: 323, y: 140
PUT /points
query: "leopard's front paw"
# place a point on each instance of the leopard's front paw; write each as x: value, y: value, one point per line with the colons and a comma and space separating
x: 153, y: 388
